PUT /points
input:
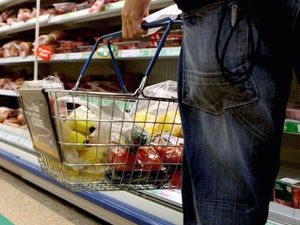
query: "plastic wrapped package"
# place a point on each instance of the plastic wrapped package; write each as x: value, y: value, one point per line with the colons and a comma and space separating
x: 97, y: 6
x: 84, y: 5
x: 86, y: 48
x: 293, y: 112
x: 25, y: 49
x: 11, y: 49
x: 1, y: 52
x: 65, y: 7
x: 130, y: 45
x: 17, y: 48
x: 153, y: 114
x: 51, y: 38
x: 12, y: 20
x: 25, y: 14
x: 5, y: 15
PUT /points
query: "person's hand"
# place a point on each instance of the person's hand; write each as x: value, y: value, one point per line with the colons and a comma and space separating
x: 133, y: 13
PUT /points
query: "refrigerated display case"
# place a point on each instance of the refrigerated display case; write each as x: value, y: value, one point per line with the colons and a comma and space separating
x: 117, y: 207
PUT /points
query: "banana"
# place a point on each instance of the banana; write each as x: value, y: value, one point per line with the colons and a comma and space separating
x: 145, y: 120
x: 79, y: 120
x: 168, y: 123
x: 70, y: 137
x: 92, y: 155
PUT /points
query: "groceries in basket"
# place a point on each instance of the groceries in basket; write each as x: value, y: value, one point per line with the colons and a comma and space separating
x: 119, y: 140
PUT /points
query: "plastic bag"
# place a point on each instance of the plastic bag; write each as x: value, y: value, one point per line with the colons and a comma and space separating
x: 167, y: 89
x: 158, y: 116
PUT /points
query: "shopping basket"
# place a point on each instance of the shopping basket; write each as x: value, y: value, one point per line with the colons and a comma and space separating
x: 115, y: 141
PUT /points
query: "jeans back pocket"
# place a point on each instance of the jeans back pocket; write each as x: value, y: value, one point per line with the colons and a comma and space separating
x: 204, y: 86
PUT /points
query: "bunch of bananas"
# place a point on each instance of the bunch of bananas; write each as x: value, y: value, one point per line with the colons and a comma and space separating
x: 78, y: 129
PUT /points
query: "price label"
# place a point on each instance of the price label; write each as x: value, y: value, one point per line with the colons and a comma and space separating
x: 76, y: 55
x: 130, y: 53
x: 298, y: 128
x: 62, y: 56
x: 44, y: 53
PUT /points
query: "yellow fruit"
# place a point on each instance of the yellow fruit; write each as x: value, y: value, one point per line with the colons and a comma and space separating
x: 145, y: 120
x: 168, y: 123
x: 90, y: 173
x: 86, y: 174
x: 92, y: 155
x: 70, y: 137
x: 79, y: 120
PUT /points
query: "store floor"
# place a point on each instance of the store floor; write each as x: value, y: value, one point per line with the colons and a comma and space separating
x: 25, y: 204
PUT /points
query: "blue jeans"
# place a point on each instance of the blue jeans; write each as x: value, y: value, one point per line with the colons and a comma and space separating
x: 232, y: 132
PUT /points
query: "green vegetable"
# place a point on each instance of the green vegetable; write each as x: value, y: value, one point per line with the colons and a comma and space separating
x: 139, y: 136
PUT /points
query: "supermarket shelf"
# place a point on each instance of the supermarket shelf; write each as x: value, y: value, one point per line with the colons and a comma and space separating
x: 23, y: 26
x: 292, y: 127
x: 8, y: 93
x: 172, y: 52
x: 81, y: 16
x: 111, y: 10
x: 147, y: 53
x: 19, y: 137
x: 16, y: 60
x: 4, y: 4
x: 284, y: 214
x: 114, y: 207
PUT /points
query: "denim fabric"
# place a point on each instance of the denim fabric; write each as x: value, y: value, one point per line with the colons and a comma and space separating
x: 232, y: 132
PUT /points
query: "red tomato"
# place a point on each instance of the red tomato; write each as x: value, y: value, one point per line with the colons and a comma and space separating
x: 125, y: 157
x: 170, y: 154
x: 149, y: 158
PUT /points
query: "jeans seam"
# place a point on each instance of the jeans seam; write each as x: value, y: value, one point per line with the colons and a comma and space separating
x: 259, y: 134
x: 225, y: 202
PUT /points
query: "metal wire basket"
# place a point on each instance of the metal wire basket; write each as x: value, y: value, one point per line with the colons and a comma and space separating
x: 114, y: 141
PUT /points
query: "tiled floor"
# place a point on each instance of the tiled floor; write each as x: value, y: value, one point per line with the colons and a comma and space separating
x: 22, y: 204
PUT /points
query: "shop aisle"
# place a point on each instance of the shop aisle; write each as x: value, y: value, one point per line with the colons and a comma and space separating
x: 24, y: 204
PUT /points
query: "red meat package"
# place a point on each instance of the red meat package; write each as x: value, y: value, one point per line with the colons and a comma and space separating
x: 293, y: 112
x: 296, y: 195
x: 287, y: 192
x: 97, y: 6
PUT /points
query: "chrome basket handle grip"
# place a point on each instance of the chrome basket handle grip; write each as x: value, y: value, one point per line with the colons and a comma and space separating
x: 168, y: 22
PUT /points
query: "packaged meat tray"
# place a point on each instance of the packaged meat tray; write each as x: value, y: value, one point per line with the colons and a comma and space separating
x: 65, y: 7
x: 293, y: 113
x: 287, y: 192
x: 130, y: 45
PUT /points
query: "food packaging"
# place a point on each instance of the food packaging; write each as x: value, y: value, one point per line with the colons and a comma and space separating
x: 296, y: 195
x: 84, y: 5
x: 173, y: 42
x: 293, y: 112
x: 130, y: 45
x: 65, y: 7
x: 86, y: 48
x: 287, y: 192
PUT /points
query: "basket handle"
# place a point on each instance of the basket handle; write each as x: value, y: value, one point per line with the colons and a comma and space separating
x: 166, y: 22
